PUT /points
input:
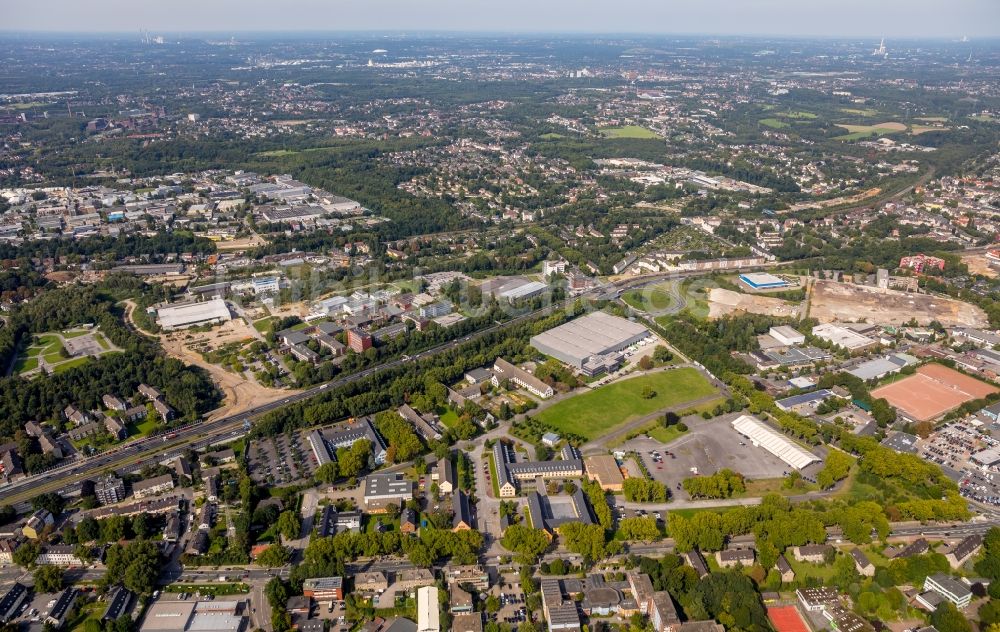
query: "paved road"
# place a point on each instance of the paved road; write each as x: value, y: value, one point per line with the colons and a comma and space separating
x: 66, y: 478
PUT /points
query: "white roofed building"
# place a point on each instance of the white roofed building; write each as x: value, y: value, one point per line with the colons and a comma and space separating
x: 774, y: 442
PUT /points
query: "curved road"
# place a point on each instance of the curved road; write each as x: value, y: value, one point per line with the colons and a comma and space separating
x: 66, y: 478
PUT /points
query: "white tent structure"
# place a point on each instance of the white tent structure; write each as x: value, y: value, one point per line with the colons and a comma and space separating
x: 774, y: 442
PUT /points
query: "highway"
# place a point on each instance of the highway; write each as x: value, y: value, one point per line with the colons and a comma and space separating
x: 66, y: 479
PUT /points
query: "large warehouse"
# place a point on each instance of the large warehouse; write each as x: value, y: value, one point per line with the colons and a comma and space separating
x: 191, y: 314
x: 587, y: 342
x: 774, y: 442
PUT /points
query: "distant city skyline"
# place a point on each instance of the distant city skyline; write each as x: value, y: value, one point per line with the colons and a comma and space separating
x: 807, y: 18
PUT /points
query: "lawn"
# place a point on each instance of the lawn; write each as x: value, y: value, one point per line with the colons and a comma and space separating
x: 551, y: 135
x: 101, y: 340
x: 449, y: 418
x: 773, y: 122
x: 652, y: 298
x: 227, y: 588
x: 665, y: 435
x: 803, y: 570
x: 25, y: 364
x: 593, y: 414
x: 75, y: 333
x: 493, y: 476
x: 858, y: 132
x: 71, y: 364
x: 145, y: 427
x: 860, y: 112
x: 628, y: 131
x: 263, y: 325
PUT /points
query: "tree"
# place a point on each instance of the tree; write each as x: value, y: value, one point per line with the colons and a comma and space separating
x: 644, y: 490
x: 528, y: 543
x: 289, y: 525
x: 584, y: 539
x: 326, y: 473
x: 274, y: 556
x: 88, y: 530
x: 646, y: 363
x: 648, y: 392
x: 643, y: 528
x: 492, y: 604
x: 722, y: 484
x: 48, y: 579
x: 51, y: 502
x: 26, y: 554
x: 947, y: 618
x: 837, y: 466
x: 351, y: 461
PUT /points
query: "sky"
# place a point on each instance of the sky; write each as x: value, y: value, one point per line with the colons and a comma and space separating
x: 834, y: 18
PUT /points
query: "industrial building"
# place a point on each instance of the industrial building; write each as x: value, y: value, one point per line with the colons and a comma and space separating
x: 195, y: 616
x: 843, y: 337
x: 428, y: 614
x: 763, y: 281
x: 774, y: 442
x: 591, y: 343
x: 787, y: 336
x: 207, y: 312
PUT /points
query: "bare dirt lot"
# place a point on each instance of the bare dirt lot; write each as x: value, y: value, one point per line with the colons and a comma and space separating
x: 846, y: 302
x: 240, y: 393
x: 722, y: 302
x: 978, y: 265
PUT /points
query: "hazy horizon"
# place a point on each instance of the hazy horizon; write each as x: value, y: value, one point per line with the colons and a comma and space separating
x: 904, y: 19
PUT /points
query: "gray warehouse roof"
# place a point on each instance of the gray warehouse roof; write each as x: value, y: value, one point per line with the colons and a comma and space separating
x: 596, y: 333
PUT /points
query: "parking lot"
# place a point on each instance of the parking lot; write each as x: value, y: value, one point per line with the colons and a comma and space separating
x: 953, y: 444
x: 281, y: 460
x: 706, y: 448
x: 512, y: 605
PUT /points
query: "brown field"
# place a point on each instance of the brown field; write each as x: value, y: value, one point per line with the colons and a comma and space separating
x: 933, y: 391
x: 846, y: 302
x: 978, y: 265
x: 722, y: 302
x: 240, y: 393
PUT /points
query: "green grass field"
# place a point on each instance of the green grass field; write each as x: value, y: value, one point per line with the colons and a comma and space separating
x: 71, y: 364
x: 144, y: 427
x: 551, y: 136
x: 665, y: 435
x: 594, y: 413
x: 628, y: 131
x: 858, y: 132
x: 263, y: 325
x: 652, y: 298
x: 860, y: 111
x: 774, y: 123
x: 449, y: 418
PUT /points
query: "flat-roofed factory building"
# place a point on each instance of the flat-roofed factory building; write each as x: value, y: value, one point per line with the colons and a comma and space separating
x: 207, y: 312
x: 592, y: 343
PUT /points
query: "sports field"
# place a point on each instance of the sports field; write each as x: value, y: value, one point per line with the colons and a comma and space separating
x: 786, y: 619
x: 932, y: 391
x: 628, y: 131
x: 593, y: 414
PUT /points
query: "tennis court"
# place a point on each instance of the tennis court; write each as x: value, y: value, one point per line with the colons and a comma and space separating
x: 786, y: 619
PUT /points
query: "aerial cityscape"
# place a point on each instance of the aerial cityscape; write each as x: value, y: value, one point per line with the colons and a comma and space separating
x: 434, y: 317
